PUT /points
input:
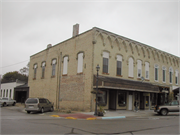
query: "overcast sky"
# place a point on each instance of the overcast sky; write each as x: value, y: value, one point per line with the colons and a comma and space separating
x: 28, y: 26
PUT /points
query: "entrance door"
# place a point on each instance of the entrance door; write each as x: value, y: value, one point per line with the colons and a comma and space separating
x: 130, y: 102
x: 112, y: 99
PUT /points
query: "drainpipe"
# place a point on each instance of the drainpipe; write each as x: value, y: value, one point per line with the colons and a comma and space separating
x: 59, y: 78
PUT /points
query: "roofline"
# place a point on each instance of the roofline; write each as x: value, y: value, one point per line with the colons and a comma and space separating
x: 63, y: 41
x: 96, y: 28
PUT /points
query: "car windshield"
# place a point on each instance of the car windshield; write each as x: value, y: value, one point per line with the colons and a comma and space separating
x: 32, y: 100
x: 4, y: 98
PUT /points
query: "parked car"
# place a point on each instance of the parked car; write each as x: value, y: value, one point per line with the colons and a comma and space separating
x: 38, y: 105
x: 165, y: 109
x: 7, y: 101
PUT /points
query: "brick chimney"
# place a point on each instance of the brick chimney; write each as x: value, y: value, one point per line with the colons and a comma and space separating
x: 75, y: 30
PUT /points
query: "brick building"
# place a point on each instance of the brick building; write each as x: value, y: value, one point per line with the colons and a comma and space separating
x: 66, y: 72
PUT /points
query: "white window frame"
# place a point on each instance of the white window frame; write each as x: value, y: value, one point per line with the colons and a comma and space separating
x: 177, y: 77
x: 35, y: 70
x: 43, y: 69
x: 131, y: 67
x: 139, y: 68
x: 170, y: 75
x: 146, y: 70
x: 54, y: 61
x: 106, y: 55
x: 65, y: 65
x: 119, y: 59
x: 163, y: 69
x: 156, y: 67
x: 80, y: 63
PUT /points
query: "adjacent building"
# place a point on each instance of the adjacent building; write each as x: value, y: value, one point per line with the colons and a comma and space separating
x: 65, y: 73
x: 7, y: 89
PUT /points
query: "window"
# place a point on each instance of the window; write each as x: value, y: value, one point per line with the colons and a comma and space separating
x: 164, y: 73
x: 170, y: 74
x: 35, y: 70
x: 1, y: 94
x: 131, y: 72
x: 122, y: 98
x: 105, y: 62
x: 139, y: 68
x: 156, y: 72
x: 65, y: 65
x: 10, y: 93
x: 119, y: 65
x: 80, y: 63
x: 102, y: 98
x: 177, y: 77
x: 6, y: 93
x: 153, y: 99
x: 43, y: 68
x: 53, y: 67
x: 147, y: 70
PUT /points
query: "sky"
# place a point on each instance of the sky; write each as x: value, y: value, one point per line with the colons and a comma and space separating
x: 28, y: 26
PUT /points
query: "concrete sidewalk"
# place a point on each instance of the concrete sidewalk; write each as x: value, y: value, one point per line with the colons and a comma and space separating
x: 117, y: 114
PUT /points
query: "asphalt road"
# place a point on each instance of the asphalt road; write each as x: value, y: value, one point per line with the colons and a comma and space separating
x: 14, y: 121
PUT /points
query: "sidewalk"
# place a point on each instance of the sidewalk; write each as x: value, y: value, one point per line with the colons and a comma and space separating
x: 110, y: 114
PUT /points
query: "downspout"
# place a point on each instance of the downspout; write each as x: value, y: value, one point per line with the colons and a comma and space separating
x: 59, y: 80
x: 93, y: 43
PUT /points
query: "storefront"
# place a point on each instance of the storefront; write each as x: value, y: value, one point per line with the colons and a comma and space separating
x: 121, y: 94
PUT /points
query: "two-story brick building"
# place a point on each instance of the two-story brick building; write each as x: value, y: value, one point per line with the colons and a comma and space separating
x: 66, y: 72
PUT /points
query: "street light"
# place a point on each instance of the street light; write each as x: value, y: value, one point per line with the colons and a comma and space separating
x: 97, y: 68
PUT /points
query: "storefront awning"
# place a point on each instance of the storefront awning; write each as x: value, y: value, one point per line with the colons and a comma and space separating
x: 105, y: 82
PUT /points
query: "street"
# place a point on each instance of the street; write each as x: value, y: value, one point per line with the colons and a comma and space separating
x: 14, y: 121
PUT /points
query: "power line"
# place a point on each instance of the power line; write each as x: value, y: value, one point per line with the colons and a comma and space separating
x: 14, y: 64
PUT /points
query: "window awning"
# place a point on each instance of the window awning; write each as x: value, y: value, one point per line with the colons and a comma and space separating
x: 105, y: 82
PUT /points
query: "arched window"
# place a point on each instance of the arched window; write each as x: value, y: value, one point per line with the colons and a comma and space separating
x: 164, y: 74
x: 156, y: 72
x: 170, y: 74
x: 131, y: 72
x: 35, y: 70
x: 53, y: 67
x: 65, y: 65
x: 139, y: 68
x: 147, y: 70
x: 177, y: 77
x: 43, y: 65
x: 119, y: 65
x: 105, y: 62
x: 80, y: 63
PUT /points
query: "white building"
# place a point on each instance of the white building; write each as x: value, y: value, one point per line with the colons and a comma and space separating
x: 7, y: 89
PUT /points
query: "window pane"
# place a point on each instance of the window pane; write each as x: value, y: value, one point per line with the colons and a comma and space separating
x: 105, y: 65
x: 102, y: 98
x: 53, y: 69
x: 121, y: 98
x: 80, y: 63
x: 118, y: 67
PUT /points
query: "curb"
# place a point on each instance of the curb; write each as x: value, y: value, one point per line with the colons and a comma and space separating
x: 91, y: 118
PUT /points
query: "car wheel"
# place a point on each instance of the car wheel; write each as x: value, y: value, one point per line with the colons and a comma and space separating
x: 52, y: 109
x: 28, y: 112
x: 14, y: 104
x: 42, y: 110
x: 164, y: 112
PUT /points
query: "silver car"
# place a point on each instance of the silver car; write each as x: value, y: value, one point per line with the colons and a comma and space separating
x: 165, y: 109
x: 38, y: 105
x: 7, y: 101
